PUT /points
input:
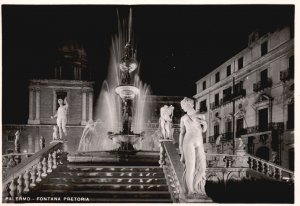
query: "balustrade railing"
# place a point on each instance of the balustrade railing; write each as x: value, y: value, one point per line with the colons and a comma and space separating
x: 262, y: 84
x: 270, y: 169
x: 173, y: 169
x: 13, y: 159
x: 20, y: 179
x: 264, y: 167
x: 279, y: 126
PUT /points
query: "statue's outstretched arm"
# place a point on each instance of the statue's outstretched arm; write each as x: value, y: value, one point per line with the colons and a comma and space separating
x: 66, y: 103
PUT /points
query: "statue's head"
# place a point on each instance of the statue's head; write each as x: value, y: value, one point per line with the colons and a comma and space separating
x: 55, y: 128
x: 187, y: 103
x: 60, y: 101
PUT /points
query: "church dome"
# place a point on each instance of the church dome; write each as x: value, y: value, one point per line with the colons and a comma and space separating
x: 71, y: 61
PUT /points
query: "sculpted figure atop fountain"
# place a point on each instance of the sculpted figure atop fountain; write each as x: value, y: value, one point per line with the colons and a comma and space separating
x: 165, y: 121
x: 192, y: 125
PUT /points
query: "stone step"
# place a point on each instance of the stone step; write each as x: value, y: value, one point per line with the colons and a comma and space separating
x: 115, y: 169
x: 104, y: 187
x: 105, y: 180
x: 110, y: 174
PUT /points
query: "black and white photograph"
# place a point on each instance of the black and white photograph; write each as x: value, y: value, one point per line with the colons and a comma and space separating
x: 148, y: 103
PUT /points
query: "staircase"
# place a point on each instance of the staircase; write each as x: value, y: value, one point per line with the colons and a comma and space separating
x: 97, y: 182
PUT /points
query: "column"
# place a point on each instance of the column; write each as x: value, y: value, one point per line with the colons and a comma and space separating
x: 36, y: 144
x: 54, y: 102
x: 30, y: 144
x: 83, y: 119
x: 90, y: 106
x: 37, y: 106
x: 30, y: 105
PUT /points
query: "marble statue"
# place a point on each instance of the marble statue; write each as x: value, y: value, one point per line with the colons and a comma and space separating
x: 61, y: 115
x: 17, y: 142
x: 165, y: 121
x: 240, y: 144
x: 192, y: 125
x: 55, y: 132
x: 42, y: 142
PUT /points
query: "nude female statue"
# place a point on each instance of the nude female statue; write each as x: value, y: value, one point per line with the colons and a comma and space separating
x: 165, y: 121
x: 192, y: 125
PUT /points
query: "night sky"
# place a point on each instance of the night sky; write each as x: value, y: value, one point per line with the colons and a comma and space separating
x: 177, y: 45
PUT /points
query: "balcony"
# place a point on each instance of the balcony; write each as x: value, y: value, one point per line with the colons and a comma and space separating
x: 262, y: 85
x: 215, y: 105
x: 287, y: 75
x: 238, y: 94
x: 279, y: 126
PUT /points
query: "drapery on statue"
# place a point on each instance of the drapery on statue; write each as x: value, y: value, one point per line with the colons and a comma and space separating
x: 61, y: 115
x: 192, y: 125
x: 165, y: 121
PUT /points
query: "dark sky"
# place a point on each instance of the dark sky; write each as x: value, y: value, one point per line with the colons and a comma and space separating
x: 177, y: 44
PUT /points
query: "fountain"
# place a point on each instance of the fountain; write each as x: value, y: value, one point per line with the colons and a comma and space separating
x: 127, y: 92
x: 121, y: 109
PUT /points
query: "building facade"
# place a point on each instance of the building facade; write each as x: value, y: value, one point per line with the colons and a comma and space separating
x: 69, y: 80
x: 251, y: 97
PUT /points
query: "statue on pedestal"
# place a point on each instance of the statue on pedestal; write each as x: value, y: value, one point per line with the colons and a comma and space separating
x: 165, y: 121
x: 61, y: 115
x: 42, y: 142
x: 55, y: 133
x: 17, y: 142
x: 192, y: 125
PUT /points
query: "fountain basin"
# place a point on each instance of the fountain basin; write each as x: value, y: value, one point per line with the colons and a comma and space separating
x: 127, y: 91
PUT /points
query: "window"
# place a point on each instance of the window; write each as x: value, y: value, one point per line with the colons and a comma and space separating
x: 204, y: 85
x: 228, y: 70
x: 216, y: 131
x: 264, y: 48
x: 240, y: 62
x: 290, y: 121
x: 60, y: 95
x: 264, y: 76
x: 217, y: 77
x: 239, y: 126
x: 9, y: 151
x: 11, y: 138
x: 228, y: 126
x: 203, y: 107
x: 237, y: 88
x: 227, y: 93
x: 217, y: 99
x: 263, y: 119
